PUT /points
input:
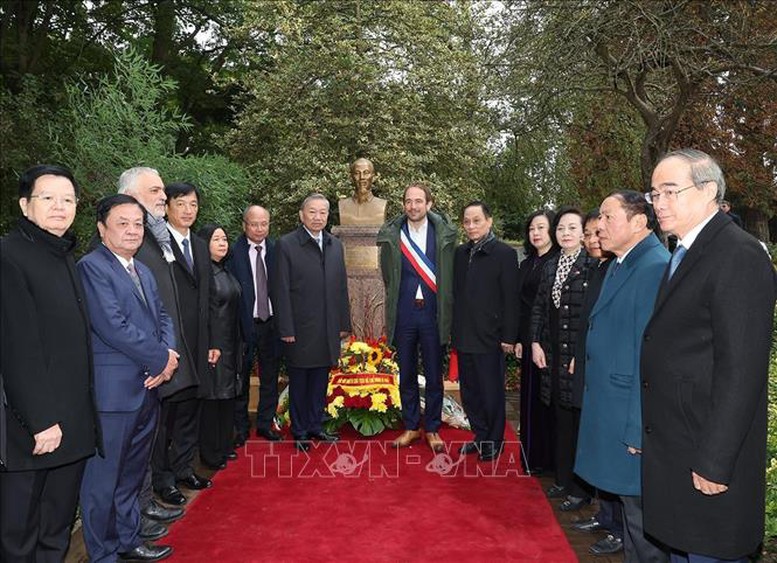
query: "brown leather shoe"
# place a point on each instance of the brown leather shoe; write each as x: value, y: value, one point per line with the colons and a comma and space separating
x: 435, y: 442
x: 406, y: 438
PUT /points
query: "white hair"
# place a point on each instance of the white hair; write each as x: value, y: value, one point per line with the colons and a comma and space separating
x: 128, y: 179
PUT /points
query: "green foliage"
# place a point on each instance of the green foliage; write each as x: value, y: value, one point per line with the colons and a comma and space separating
x: 395, y: 81
x: 24, y: 139
x: 121, y: 122
x: 771, y: 443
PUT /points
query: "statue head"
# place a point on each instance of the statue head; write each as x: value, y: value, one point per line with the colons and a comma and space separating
x: 362, y: 176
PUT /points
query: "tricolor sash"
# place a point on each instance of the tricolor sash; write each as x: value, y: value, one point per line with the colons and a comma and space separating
x: 420, y: 262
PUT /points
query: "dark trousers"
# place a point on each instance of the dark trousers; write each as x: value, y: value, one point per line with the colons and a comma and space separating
x: 537, y: 421
x: 110, y: 507
x: 37, y: 509
x: 610, y: 513
x: 264, y: 344
x: 307, y: 399
x: 482, y: 380
x: 172, y: 458
x: 636, y: 546
x: 216, y: 418
x: 417, y: 328
x: 567, y: 425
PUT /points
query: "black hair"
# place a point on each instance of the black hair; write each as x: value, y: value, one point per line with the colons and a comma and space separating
x: 179, y: 189
x: 528, y: 248
x: 107, y: 203
x: 206, y: 233
x: 634, y: 203
x: 567, y: 210
x: 480, y: 204
x: 591, y: 215
x: 30, y: 176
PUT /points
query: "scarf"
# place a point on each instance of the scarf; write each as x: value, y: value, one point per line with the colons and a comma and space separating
x: 478, y: 244
x: 565, y: 262
x: 158, y: 228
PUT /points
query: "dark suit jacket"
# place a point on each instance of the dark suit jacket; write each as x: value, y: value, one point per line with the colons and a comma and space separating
x: 705, y: 359
x: 309, y: 291
x: 130, y: 338
x: 151, y: 255
x: 45, y: 345
x: 239, y: 265
x: 195, y: 298
x: 485, y: 312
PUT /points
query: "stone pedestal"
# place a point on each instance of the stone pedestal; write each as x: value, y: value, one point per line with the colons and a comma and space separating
x: 365, y: 285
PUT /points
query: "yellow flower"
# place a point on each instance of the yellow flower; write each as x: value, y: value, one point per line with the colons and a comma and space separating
x: 379, y: 402
x: 334, y: 406
x: 374, y: 357
x: 359, y: 347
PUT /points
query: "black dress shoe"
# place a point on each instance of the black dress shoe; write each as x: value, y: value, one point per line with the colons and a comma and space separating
x: 171, y: 495
x: 232, y: 456
x: 587, y: 525
x: 607, y: 546
x: 302, y: 445
x: 324, y: 436
x: 469, y: 448
x: 215, y: 466
x: 239, y: 440
x: 151, y: 530
x: 268, y: 434
x: 156, y: 511
x: 573, y: 503
x: 556, y: 491
x: 147, y: 553
x: 195, y: 482
x: 489, y: 452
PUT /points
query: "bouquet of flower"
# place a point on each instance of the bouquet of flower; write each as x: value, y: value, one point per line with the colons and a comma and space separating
x: 363, y: 388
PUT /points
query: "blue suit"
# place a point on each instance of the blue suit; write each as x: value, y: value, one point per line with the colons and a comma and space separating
x: 130, y: 341
x: 417, y: 328
x: 611, y: 417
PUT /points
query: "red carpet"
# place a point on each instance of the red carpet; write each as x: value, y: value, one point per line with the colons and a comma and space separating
x: 364, y: 501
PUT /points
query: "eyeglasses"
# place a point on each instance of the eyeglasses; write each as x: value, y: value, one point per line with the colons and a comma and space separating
x: 262, y: 225
x: 670, y: 194
x: 66, y: 201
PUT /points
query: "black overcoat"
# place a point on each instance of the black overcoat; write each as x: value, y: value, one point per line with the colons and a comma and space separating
x: 569, y: 324
x: 485, y: 312
x: 194, y: 297
x: 46, y: 349
x: 222, y: 380
x: 309, y: 292
x: 150, y: 254
x: 705, y: 354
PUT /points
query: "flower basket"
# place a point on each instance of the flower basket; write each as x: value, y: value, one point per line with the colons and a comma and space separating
x: 364, y: 389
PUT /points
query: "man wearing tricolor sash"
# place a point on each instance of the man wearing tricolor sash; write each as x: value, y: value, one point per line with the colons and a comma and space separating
x: 416, y: 259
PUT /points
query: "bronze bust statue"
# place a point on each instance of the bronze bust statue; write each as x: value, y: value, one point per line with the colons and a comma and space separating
x: 362, y: 208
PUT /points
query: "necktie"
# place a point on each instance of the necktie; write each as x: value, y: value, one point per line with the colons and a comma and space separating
x: 136, y: 280
x: 262, y: 303
x: 677, y: 257
x: 320, y: 243
x: 187, y: 254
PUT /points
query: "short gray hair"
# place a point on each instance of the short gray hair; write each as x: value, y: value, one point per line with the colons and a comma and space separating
x: 704, y: 169
x: 129, y: 177
x: 312, y: 197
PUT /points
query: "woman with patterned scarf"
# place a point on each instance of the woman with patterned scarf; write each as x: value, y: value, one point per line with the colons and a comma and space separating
x: 554, y: 328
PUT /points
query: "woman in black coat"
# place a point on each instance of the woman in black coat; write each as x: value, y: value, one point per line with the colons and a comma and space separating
x: 555, y: 324
x: 50, y: 419
x: 536, y: 419
x: 222, y: 384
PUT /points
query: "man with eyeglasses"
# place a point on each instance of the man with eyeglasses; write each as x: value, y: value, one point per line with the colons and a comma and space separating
x: 705, y: 354
x: 50, y: 419
x: 251, y: 262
